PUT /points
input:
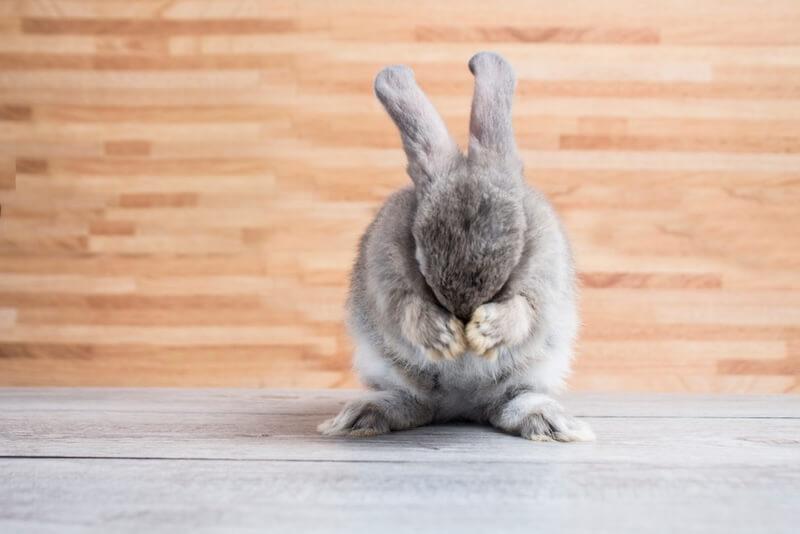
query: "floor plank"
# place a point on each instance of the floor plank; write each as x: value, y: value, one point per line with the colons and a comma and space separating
x: 393, y: 497
x: 244, y: 461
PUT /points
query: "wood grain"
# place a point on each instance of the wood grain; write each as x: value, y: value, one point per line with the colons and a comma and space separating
x: 240, y: 460
x: 183, y: 182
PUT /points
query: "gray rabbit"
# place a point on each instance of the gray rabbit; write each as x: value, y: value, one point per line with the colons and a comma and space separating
x: 463, y: 297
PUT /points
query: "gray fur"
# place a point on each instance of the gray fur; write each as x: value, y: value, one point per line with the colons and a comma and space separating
x: 463, y: 301
x: 430, y: 149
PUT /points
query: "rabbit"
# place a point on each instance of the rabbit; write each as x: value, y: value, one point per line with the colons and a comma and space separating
x: 462, y: 303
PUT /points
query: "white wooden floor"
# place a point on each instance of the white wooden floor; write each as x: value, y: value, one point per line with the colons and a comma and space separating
x: 110, y: 460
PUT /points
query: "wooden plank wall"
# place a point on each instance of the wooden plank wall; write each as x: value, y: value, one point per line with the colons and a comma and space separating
x: 183, y: 182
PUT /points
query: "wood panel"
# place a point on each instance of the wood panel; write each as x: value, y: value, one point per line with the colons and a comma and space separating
x: 183, y: 182
x: 235, y: 461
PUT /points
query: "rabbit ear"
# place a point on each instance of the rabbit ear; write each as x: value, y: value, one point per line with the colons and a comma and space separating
x: 491, y: 134
x: 430, y: 149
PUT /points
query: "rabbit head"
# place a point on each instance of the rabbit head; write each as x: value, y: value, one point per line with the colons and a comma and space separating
x: 469, y: 223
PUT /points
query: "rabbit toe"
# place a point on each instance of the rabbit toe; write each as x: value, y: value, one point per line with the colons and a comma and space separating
x: 358, y: 419
x: 550, y: 425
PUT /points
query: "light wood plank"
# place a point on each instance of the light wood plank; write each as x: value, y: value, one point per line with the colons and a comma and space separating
x: 235, y: 496
x: 91, y: 460
x: 197, y: 150
x: 282, y: 426
x: 309, y: 401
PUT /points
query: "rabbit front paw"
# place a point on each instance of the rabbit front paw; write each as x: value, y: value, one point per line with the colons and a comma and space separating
x: 446, y: 339
x: 484, y: 331
x: 439, y: 334
x: 496, y: 324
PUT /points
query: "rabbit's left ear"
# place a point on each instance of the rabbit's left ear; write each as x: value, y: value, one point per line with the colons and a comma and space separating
x: 431, y: 150
x: 491, y: 135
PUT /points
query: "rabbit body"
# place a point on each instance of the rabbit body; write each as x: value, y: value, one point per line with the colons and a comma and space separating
x: 463, y: 300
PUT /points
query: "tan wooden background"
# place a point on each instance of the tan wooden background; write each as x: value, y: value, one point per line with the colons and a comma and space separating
x: 183, y: 182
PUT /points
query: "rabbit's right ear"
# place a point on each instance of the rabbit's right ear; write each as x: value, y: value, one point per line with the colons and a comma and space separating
x: 491, y: 135
x: 430, y: 149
